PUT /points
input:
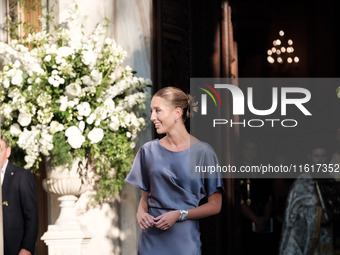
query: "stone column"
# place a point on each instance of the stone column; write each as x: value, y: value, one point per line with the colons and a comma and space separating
x: 132, y: 30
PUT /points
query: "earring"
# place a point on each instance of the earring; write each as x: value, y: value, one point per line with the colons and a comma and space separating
x: 176, y: 120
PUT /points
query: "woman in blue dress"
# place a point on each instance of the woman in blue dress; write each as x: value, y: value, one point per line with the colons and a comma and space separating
x: 169, y: 209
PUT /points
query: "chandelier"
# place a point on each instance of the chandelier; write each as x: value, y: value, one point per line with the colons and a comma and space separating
x: 282, y: 51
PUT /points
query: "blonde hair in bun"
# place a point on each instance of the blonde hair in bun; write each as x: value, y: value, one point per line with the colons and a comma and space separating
x: 177, y: 98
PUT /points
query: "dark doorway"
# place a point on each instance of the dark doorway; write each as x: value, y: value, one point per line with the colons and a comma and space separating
x: 192, y: 39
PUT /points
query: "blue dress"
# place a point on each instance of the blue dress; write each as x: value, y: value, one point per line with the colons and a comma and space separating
x: 166, y: 176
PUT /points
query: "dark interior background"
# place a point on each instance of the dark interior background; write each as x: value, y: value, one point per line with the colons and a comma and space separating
x: 314, y: 28
x: 187, y: 42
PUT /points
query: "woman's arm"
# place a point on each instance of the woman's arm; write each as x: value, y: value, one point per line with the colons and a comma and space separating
x: 144, y: 219
x: 213, y: 206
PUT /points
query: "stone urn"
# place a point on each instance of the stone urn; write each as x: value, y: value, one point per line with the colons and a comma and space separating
x: 67, y: 235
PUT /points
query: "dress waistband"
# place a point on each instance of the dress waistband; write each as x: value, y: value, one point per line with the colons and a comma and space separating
x: 159, y: 208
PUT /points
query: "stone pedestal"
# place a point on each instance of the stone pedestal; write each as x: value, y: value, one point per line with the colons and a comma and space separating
x: 67, y: 235
x: 66, y: 241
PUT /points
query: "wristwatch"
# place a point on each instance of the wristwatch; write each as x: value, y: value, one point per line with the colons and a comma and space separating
x: 184, y: 215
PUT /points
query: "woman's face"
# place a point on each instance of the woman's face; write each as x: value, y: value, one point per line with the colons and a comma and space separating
x: 163, y: 115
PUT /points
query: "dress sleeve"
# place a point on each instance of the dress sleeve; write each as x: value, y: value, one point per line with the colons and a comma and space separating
x: 138, y: 176
x: 212, y: 182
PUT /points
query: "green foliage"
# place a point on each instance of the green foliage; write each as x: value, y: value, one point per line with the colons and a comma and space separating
x: 66, y: 99
x: 114, y: 170
x: 60, y: 154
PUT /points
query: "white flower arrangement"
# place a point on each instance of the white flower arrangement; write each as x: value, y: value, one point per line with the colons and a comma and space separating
x: 68, y: 99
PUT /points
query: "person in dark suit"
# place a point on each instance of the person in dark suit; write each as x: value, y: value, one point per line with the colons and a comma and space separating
x: 20, y: 207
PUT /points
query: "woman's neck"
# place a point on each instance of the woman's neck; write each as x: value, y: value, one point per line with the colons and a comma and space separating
x: 176, y: 140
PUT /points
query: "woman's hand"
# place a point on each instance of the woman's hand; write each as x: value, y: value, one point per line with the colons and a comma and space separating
x: 166, y: 220
x: 145, y: 220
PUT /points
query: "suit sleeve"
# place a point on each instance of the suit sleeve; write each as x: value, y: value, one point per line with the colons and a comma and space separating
x: 29, y: 205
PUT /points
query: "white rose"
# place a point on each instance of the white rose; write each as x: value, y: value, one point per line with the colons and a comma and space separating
x: 17, y: 79
x: 88, y: 58
x: 73, y: 90
x: 82, y: 126
x: 96, y: 135
x: 74, y: 137
x: 6, y: 83
x: 96, y: 76
x: 47, y: 58
x: 87, y: 80
x: 91, y: 119
x: 116, y: 74
x: 45, y: 143
x: 64, y: 51
x: 114, y: 125
x: 73, y: 103
x: 7, y: 110
x: 24, y: 119
x: 15, y: 130
x: 84, y: 109
x: 50, y: 80
x: 63, y: 103
x: 55, y: 82
x: 109, y: 104
x: 55, y: 127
